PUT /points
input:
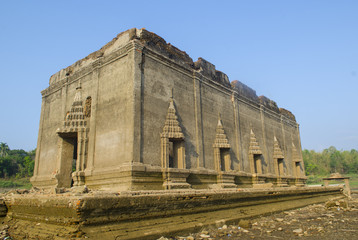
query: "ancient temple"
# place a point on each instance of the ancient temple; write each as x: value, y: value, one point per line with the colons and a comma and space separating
x: 139, y: 114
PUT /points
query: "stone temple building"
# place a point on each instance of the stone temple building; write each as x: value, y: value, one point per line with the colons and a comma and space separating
x: 139, y: 114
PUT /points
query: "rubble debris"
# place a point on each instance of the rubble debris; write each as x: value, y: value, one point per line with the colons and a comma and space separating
x: 317, y: 221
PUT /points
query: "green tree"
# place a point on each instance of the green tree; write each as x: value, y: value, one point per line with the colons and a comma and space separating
x: 4, y: 149
x: 8, y: 167
x: 16, y: 162
x: 27, y: 165
x: 330, y: 160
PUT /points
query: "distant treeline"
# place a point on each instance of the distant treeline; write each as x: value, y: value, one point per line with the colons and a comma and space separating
x: 16, y: 163
x: 329, y: 161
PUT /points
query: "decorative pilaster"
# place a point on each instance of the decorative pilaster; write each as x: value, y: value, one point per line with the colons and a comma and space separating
x: 237, y: 132
x: 200, y: 162
x: 264, y: 143
x: 136, y: 54
x: 93, y: 114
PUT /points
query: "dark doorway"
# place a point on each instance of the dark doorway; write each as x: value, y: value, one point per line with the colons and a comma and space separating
x: 257, y: 163
x: 173, y: 153
x: 280, y: 166
x: 74, y: 160
x: 69, y: 154
x: 224, y: 153
x: 298, y: 169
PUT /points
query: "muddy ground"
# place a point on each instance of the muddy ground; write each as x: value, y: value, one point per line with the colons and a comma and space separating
x: 331, y: 220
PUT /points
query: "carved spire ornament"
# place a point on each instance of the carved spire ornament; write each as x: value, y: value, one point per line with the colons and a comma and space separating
x: 221, y: 140
x: 277, y: 152
x: 172, y: 127
x: 254, y: 144
x: 75, y: 118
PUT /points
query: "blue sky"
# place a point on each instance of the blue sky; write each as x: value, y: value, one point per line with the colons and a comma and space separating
x: 302, y: 54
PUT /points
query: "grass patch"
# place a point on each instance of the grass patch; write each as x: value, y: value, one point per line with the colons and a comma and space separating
x: 353, y: 181
x: 15, y: 183
x: 314, y: 180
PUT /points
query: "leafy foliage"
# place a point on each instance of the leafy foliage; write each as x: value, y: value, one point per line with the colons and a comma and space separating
x: 14, y: 183
x: 4, y: 149
x: 16, y: 163
x: 330, y: 160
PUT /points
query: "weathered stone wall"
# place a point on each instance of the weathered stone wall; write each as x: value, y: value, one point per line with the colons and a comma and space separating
x: 107, y: 78
x: 114, y: 115
x: 132, y: 81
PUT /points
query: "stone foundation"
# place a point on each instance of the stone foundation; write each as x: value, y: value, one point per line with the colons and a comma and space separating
x: 3, y: 209
x: 146, y: 214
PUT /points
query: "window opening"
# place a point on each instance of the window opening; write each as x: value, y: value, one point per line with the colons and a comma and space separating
x: 280, y: 166
x: 298, y: 169
x: 173, y: 153
x: 69, y: 157
x: 74, y: 158
x: 224, y: 159
x: 257, y: 163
